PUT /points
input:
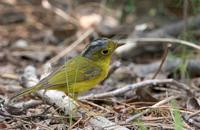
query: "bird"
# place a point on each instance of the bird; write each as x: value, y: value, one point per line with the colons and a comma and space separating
x: 80, y: 73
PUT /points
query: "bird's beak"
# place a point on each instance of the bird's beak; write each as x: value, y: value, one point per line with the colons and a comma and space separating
x: 120, y: 44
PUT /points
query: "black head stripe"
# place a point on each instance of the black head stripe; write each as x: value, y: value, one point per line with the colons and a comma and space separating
x: 94, y: 46
x: 99, y: 42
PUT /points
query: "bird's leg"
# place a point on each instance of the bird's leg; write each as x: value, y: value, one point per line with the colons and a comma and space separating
x: 45, y: 96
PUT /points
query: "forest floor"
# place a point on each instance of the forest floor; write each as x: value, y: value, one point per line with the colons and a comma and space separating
x: 154, y: 80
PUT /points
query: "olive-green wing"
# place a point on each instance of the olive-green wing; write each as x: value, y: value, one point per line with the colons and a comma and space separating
x: 76, y: 70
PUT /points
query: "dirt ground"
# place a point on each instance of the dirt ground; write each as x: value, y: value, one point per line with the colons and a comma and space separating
x: 154, y: 79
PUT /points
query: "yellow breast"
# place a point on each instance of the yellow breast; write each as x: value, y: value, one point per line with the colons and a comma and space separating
x: 84, y: 86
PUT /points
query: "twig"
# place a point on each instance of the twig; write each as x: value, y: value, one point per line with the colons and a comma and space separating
x: 154, y: 106
x: 75, y: 123
x: 168, y: 40
x: 137, y: 46
x: 97, y: 106
x: 138, y: 85
x: 64, y: 15
x: 163, y: 60
x: 194, y: 114
x: 71, y: 47
x: 9, y: 76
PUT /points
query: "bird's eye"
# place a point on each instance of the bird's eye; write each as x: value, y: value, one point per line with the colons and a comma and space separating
x: 104, y: 52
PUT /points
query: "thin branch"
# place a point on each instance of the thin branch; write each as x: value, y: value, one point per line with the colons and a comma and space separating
x: 168, y: 40
x: 155, y: 105
x: 163, y: 60
x: 9, y: 76
x: 138, y: 85
x: 194, y: 114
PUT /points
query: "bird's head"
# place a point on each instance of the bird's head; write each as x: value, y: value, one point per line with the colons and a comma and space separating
x: 101, y: 49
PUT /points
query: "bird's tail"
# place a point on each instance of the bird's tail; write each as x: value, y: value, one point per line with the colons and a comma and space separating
x: 26, y: 91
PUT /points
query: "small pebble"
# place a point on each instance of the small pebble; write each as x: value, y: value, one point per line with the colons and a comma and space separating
x: 21, y: 43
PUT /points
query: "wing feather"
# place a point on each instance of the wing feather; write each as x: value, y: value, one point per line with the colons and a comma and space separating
x: 77, y: 70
